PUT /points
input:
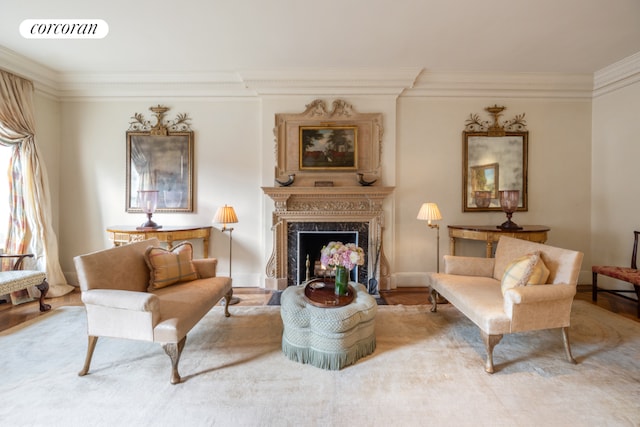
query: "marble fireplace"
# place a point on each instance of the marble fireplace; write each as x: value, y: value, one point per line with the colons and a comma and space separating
x: 305, y: 218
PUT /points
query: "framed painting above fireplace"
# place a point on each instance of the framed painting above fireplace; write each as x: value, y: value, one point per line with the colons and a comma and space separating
x: 328, y: 147
x: 322, y: 145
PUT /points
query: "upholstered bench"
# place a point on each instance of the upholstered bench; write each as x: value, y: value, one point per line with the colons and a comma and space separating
x: 327, y: 338
x: 18, y: 280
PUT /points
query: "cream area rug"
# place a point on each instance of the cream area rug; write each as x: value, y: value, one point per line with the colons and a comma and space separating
x: 427, y: 369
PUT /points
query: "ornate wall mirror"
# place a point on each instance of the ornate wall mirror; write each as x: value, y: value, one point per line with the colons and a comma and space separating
x: 160, y: 157
x: 494, y: 159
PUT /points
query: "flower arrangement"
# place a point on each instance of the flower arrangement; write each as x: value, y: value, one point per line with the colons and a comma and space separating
x: 337, y: 254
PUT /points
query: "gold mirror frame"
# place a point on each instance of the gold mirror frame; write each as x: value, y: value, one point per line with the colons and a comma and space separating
x: 160, y: 157
x: 495, y: 157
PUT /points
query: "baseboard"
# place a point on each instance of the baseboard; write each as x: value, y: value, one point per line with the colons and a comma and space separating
x: 410, y: 280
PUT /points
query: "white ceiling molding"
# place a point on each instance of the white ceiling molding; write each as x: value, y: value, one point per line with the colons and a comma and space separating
x: 617, y: 75
x: 502, y: 85
x: 191, y: 85
x: 44, y: 79
x: 330, y: 81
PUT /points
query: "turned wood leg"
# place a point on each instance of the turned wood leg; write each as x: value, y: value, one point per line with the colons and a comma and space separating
x: 174, y: 351
x: 567, y: 346
x: 227, y: 301
x: 43, y: 288
x: 433, y: 295
x: 87, y: 361
x: 490, y: 341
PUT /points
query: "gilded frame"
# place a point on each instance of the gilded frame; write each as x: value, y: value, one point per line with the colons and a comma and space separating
x: 163, y: 163
x: 328, y: 147
x: 506, y: 155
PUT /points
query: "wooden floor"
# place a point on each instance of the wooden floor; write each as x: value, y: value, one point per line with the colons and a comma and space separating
x: 11, y: 315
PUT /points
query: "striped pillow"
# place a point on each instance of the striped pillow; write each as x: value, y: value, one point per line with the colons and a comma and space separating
x: 170, y: 267
x: 526, y: 270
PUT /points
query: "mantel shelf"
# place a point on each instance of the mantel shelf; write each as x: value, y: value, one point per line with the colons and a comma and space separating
x: 336, y: 191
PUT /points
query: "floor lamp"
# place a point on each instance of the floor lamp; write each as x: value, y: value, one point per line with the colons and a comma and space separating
x: 226, y: 215
x: 429, y: 212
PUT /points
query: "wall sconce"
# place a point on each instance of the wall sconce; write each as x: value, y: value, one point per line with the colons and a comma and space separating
x: 226, y: 215
x: 148, y: 202
x: 429, y: 212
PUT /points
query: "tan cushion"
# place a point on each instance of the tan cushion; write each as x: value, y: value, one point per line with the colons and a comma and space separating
x: 170, y: 267
x: 525, y: 270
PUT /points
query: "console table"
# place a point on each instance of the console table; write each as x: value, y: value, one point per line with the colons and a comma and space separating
x: 491, y: 234
x: 123, y: 234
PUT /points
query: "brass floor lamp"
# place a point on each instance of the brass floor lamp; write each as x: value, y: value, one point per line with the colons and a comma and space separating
x: 226, y: 215
x: 429, y: 212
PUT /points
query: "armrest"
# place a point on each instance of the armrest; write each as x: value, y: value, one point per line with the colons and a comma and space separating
x: 205, y: 267
x: 125, y: 300
x: 539, y: 293
x: 468, y: 266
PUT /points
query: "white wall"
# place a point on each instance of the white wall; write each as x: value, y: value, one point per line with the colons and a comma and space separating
x: 615, y: 197
x: 227, y: 170
x: 234, y: 150
x: 429, y: 169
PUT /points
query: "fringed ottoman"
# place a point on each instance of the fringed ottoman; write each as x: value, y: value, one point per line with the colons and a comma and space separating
x: 328, y: 338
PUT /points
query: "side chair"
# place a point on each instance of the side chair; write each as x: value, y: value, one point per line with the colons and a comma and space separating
x: 626, y: 274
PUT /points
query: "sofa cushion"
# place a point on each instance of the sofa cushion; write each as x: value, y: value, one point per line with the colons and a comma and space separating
x: 170, y: 267
x: 525, y: 270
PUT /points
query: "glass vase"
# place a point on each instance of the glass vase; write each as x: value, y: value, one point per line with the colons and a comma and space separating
x: 342, y: 280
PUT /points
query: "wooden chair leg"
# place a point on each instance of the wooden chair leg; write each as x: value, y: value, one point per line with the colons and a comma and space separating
x: 433, y: 295
x: 227, y: 300
x: 490, y: 341
x: 174, y: 351
x: 567, y: 346
x: 594, y: 287
x: 87, y: 361
x: 43, y: 288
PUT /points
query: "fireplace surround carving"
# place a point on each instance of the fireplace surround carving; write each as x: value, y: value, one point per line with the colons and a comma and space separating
x: 351, y: 198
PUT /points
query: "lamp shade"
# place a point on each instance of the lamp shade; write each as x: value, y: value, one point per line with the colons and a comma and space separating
x: 225, y: 215
x: 429, y: 212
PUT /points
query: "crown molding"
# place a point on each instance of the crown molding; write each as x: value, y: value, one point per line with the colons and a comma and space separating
x: 617, y: 75
x: 503, y: 85
x: 121, y: 85
x: 360, y: 81
x: 45, y: 80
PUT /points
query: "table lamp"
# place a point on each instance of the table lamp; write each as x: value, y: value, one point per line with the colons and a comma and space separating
x: 226, y: 215
x: 429, y: 212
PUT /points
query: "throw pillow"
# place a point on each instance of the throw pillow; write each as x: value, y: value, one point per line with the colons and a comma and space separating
x: 526, y: 270
x: 170, y: 267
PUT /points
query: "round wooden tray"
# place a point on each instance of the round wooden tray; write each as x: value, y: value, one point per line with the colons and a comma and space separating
x: 321, y: 293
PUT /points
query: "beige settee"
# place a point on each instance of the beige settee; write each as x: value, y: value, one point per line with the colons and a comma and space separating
x: 474, y: 286
x: 114, y: 284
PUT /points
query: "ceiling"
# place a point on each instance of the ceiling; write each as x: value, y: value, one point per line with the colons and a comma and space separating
x: 208, y: 36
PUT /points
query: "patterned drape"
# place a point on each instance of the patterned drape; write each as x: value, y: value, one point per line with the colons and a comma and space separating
x: 30, y: 208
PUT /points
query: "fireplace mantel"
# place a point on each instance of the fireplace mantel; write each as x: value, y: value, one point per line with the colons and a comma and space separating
x: 326, y: 204
x: 310, y: 200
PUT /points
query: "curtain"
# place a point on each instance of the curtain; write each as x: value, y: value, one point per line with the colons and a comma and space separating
x: 30, y: 210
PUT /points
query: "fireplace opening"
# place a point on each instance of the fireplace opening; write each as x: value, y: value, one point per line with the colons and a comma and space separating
x: 308, y: 238
x: 310, y: 244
